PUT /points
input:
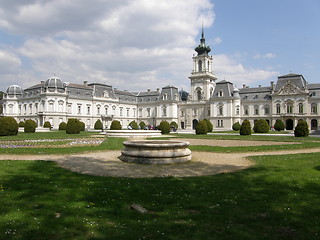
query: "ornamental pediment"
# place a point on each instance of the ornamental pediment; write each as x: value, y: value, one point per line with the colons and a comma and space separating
x: 290, y: 89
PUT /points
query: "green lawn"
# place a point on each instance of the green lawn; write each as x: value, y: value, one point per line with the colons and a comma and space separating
x: 278, y: 198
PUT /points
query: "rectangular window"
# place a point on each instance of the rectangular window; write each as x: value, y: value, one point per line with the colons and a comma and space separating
x: 79, y: 109
x: 121, y: 111
x: 148, y: 112
x: 128, y: 111
x: 88, y: 110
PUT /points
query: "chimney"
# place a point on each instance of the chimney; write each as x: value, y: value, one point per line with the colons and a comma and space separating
x: 272, y: 85
x: 259, y: 86
x: 158, y: 89
x: 42, y: 82
x: 244, y: 86
x: 85, y: 83
x: 149, y: 90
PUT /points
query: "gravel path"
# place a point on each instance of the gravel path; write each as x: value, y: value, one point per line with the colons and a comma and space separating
x: 106, y: 163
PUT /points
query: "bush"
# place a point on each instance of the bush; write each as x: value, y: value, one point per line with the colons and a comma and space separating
x: 236, y: 126
x: 21, y: 124
x: 165, y: 127
x: 302, y: 129
x: 245, y: 128
x: 82, y: 126
x: 98, y: 125
x: 73, y: 126
x: 279, y: 125
x: 142, y: 125
x: 8, y: 126
x: 30, y: 126
x: 202, y: 127
x: 62, y: 126
x: 134, y: 125
x: 47, y: 125
x: 261, y: 126
x: 115, y: 125
x: 174, y: 125
x: 209, y: 125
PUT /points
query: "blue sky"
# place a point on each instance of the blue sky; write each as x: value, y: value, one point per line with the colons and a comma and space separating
x: 141, y: 44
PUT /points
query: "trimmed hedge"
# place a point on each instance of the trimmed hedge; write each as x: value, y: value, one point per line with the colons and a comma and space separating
x: 142, y: 125
x: 47, y: 124
x: 245, y: 128
x: 30, y: 126
x: 174, y: 125
x: 236, y: 126
x: 21, y: 124
x: 73, y: 126
x: 134, y: 125
x: 279, y: 125
x: 209, y: 125
x: 115, y: 125
x: 302, y: 129
x: 62, y: 126
x: 202, y: 127
x: 98, y: 125
x: 82, y: 126
x: 165, y: 127
x: 261, y: 126
x: 8, y: 126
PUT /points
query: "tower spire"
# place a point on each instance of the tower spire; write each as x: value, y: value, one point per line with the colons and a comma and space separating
x: 202, y: 48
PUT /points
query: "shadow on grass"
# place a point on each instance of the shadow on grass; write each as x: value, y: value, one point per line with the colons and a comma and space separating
x: 269, y: 201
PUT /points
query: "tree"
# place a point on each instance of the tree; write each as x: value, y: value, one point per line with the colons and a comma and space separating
x: 202, y: 127
x: 302, y: 129
x: 209, y: 125
x: 134, y: 125
x: 73, y: 126
x: 236, y: 126
x: 279, y: 125
x: 8, y: 126
x: 165, y: 127
x: 62, y: 126
x: 98, y: 125
x: 115, y: 125
x: 261, y: 126
x: 245, y: 128
x: 47, y: 124
x: 174, y: 125
x: 30, y: 126
x: 142, y: 125
x: 82, y: 126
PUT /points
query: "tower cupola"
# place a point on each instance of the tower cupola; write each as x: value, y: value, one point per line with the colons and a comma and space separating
x: 202, y: 48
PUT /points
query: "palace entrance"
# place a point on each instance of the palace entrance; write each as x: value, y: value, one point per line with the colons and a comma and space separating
x: 289, y: 124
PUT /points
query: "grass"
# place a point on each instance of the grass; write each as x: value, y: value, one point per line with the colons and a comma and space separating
x: 278, y: 198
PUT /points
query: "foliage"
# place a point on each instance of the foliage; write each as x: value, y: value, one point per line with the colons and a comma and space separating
x: 279, y: 125
x: 115, y: 125
x: 98, y: 125
x: 30, y: 126
x: 21, y: 124
x: 82, y: 126
x: 202, y: 127
x: 302, y: 129
x: 142, y: 125
x: 165, y: 127
x: 245, y: 128
x: 261, y: 126
x: 8, y: 126
x: 209, y: 125
x: 62, y: 126
x: 174, y: 125
x: 236, y: 126
x: 47, y: 124
x: 73, y: 126
x: 134, y: 125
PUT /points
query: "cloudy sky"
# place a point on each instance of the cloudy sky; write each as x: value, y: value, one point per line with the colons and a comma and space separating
x: 140, y: 44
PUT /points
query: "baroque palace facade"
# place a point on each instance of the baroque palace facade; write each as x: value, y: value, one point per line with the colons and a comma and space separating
x: 291, y: 98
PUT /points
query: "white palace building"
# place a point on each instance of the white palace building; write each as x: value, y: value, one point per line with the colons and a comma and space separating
x: 291, y: 98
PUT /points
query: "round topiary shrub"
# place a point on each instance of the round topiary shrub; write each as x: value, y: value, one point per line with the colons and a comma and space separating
x: 115, y: 125
x: 21, y: 124
x: 245, y: 128
x: 73, y: 126
x: 47, y: 124
x: 62, y: 126
x: 279, y: 125
x: 236, y: 126
x: 174, y: 125
x: 165, y: 127
x: 261, y: 126
x: 302, y: 129
x: 30, y: 126
x: 209, y: 125
x: 8, y: 126
x: 142, y: 125
x: 202, y: 127
x: 82, y: 126
x: 134, y: 125
x: 98, y: 125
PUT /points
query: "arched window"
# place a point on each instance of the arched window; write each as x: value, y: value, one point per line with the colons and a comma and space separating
x: 266, y: 109
x: 278, y: 108
x: 314, y: 108
x: 246, y: 110
x: 256, y: 110
x: 211, y: 91
x: 220, y: 110
x: 200, y: 66
x: 164, y: 111
x: 199, y: 94
x: 208, y: 66
x: 300, y: 106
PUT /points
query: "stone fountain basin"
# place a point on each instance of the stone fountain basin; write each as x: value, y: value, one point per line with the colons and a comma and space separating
x: 155, y: 151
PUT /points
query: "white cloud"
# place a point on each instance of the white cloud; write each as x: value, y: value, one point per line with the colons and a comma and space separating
x: 265, y: 56
x: 9, y: 63
x: 217, y: 41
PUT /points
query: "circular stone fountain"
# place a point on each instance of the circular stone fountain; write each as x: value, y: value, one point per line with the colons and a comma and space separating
x: 155, y: 151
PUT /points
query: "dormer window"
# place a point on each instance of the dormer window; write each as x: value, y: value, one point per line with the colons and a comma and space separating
x: 200, y: 66
x: 220, y: 94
